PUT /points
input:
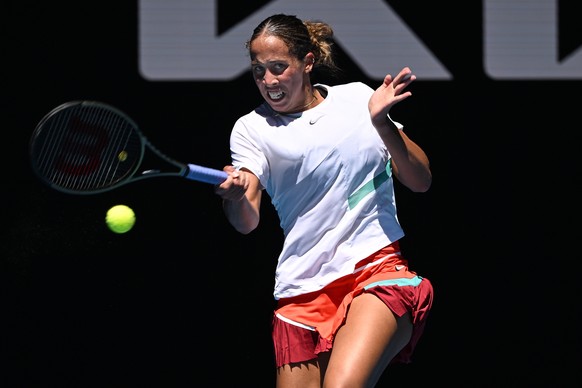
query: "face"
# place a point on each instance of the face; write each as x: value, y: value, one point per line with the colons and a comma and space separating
x: 282, y: 79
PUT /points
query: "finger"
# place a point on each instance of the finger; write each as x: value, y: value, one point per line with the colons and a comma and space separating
x: 405, y: 76
x: 403, y: 84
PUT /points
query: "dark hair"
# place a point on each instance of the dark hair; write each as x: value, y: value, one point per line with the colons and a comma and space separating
x: 301, y: 37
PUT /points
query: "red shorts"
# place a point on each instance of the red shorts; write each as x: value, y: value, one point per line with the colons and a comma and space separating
x: 304, y: 326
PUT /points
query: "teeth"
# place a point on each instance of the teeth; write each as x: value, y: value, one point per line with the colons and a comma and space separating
x: 276, y: 95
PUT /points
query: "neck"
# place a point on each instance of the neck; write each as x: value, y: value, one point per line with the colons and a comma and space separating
x: 302, y: 108
x: 310, y: 102
x: 307, y: 105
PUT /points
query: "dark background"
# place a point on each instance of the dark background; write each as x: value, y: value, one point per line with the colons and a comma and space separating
x: 183, y: 300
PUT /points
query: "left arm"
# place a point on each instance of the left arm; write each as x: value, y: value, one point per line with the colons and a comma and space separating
x: 410, y: 163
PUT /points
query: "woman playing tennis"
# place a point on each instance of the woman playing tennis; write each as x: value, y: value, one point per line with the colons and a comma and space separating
x: 347, y: 303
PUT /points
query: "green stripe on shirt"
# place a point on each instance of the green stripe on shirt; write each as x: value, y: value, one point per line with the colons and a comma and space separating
x: 370, y: 186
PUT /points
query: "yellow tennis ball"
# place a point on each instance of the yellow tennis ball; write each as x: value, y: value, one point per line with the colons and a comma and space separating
x: 120, y: 218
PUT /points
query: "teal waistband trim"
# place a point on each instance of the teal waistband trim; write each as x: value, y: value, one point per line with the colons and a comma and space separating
x: 415, y: 281
x: 370, y: 186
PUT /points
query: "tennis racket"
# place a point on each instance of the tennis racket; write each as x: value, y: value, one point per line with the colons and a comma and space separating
x: 88, y: 147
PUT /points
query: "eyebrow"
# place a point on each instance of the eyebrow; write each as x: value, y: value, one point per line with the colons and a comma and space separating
x: 255, y: 61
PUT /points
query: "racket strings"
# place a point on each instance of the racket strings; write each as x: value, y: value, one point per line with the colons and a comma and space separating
x: 87, y: 148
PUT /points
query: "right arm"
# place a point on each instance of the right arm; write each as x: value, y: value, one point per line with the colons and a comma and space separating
x: 241, y: 199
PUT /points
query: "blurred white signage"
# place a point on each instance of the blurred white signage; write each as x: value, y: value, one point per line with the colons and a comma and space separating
x: 178, y: 39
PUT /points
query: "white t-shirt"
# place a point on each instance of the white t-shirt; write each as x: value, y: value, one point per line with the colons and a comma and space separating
x: 328, y: 174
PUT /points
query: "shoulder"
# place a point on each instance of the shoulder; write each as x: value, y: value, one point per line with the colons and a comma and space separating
x: 252, y: 124
x: 255, y: 116
x: 350, y: 94
x: 349, y: 89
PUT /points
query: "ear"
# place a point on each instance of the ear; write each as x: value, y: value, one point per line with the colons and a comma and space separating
x: 309, y: 61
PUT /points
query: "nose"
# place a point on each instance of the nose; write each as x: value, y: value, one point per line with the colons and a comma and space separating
x: 270, y: 78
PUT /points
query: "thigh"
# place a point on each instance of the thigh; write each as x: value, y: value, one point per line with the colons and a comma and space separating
x: 306, y: 374
x: 364, y: 346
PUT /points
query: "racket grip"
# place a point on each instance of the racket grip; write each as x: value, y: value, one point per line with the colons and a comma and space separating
x: 205, y: 174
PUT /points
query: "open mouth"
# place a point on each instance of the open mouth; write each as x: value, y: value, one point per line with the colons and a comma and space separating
x: 276, y: 95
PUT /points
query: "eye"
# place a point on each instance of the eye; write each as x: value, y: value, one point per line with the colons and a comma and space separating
x: 278, y: 68
x: 258, y: 71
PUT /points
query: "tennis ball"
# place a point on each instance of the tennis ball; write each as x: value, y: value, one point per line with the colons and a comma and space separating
x: 120, y: 218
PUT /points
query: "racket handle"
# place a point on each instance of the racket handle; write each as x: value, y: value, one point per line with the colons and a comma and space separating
x: 205, y: 174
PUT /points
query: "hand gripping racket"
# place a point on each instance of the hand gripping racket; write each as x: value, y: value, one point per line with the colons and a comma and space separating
x: 87, y: 147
